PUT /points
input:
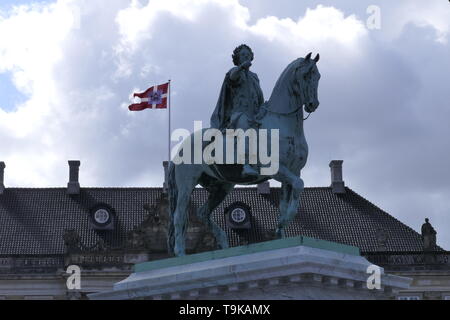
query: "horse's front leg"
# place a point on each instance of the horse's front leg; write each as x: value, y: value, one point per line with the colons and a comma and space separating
x: 180, y: 224
x: 187, y: 181
x: 216, y: 195
x: 291, y: 188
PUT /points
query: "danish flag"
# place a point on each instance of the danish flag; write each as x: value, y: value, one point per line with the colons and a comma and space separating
x: 152, y: 98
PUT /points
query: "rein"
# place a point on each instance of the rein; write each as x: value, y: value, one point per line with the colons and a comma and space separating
x: 285, y: 114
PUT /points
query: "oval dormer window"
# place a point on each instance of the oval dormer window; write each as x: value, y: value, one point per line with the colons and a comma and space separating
x: 102, y: 216
x: 238, y: 215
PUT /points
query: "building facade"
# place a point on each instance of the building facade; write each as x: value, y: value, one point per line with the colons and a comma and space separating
x: 47, y: 235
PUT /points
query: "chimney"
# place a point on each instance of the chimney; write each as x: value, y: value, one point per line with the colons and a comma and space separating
x: 166, y: 176
x: 2, y: 175
x: 264, y: 188
x: 73, y: 187
x: 337, y: 183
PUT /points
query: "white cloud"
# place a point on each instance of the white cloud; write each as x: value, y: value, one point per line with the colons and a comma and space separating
x: 30, y: 47
x: 136, y: 21
x: 318, y: 25
x: 433, y: 13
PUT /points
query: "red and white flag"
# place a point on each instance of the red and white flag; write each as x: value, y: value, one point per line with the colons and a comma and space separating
x: 153, y: 98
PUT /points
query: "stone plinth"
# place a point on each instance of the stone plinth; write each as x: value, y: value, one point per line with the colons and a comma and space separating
x: 293, y: 268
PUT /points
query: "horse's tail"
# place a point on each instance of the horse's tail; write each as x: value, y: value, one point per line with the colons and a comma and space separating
x: 172, y: 193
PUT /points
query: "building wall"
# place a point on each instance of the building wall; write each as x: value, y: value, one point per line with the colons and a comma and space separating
x: 45, y: 277
x: 430, y: 272
x: 53, y: 287
x: 426, y: 285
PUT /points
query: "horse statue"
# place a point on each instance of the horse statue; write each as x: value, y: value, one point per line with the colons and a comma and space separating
x: 296, y: 88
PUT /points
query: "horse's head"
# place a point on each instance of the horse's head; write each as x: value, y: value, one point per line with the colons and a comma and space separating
x: 306, y: 82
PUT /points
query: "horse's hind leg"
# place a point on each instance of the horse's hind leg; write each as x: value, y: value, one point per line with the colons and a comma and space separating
x: 189, y: 181
x: 293, y: 203
x: 217, y: 193
x: 292, y: 186
x: 284, y: 197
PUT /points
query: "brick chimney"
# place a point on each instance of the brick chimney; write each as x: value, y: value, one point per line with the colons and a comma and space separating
x: 73, y: 187
x: 337, y: 183
x: 2, y: 175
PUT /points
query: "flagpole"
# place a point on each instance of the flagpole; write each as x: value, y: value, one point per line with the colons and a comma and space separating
x: 169, y: 133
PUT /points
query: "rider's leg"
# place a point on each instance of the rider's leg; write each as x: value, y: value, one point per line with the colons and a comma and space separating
x: 249, y: 169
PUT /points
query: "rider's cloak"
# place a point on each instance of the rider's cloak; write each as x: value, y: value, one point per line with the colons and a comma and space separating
x: 242, y: 95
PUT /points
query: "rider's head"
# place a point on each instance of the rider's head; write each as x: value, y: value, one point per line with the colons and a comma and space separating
x: 237, y: 54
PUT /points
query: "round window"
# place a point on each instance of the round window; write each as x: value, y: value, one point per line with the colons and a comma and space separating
x: 101, y: 216
x: 238, y: 215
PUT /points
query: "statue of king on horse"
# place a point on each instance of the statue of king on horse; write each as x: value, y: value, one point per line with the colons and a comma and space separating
x: 274, y: 126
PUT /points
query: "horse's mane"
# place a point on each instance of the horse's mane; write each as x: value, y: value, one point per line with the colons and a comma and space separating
x: 282, y: 99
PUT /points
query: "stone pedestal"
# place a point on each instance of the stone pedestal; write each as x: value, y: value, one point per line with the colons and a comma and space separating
x: 293, y: 268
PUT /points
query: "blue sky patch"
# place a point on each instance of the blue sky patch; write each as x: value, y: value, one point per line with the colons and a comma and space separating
x: 6, y: 4
x: 10, y: 97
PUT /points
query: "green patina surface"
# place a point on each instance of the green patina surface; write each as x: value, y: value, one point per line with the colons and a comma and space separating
x: 252, y: 248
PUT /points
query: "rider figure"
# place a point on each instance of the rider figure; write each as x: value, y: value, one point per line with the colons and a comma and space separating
x: 240, y: 98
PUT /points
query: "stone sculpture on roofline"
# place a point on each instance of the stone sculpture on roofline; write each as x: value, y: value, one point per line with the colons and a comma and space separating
x: 241, y: 108
x: 428, y: 236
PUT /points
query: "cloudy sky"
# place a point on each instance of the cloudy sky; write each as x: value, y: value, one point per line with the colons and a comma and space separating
x: 68, y: 69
